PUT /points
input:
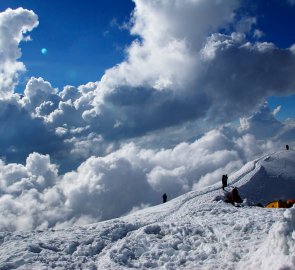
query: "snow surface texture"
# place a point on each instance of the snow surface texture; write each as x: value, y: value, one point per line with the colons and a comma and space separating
x: 193, y: 231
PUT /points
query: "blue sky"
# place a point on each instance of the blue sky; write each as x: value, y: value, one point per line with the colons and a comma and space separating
x: 82, y: 39
x: 277, y: 20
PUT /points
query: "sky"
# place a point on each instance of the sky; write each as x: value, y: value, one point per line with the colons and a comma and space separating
x: 81, y: 40
x: 96, y: 41
x: 152, y: 95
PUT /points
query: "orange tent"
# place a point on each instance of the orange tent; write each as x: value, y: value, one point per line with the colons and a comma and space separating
x: 280, y: 204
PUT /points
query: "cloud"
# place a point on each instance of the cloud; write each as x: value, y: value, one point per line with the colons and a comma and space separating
x: 39, y: 92
x: 241, y: 75
x: 262, y: 123
x: 38, y: 173
x: 165, y: 54
x: 173, y: 75
x: 14, y: 24
x: 24, y: 193
x: 37, y: 196
x: 145, y: 127
x: 287, y: 132
x: 22, y: 134
x: 291, y: 2
x: 277, y: 110
x: 108, y: 186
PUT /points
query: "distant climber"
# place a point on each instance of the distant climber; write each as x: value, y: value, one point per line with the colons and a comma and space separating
x: 164, y: 197
x: 224, y: 181
x: 287, y: 147
x: 233, y: 197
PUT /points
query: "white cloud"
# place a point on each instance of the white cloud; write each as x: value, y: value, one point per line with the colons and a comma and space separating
x: 165, y: 56
x: 175, y: 76
x: 38, y: 173
x: 35, y: 196
x: 258, y: 34
x: 39, y: 96
x: 246, y: 24
x: 262, y: 123
x: 14, y: 24
x: 241, y: 75
x: 175, y: 73
x: 292, y: 48
x: 277, y: 110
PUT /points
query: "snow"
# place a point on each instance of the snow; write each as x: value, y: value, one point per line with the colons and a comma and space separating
x: 193, y: 231
x: 278, y: 250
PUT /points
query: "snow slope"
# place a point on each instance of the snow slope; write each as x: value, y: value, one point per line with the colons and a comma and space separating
x: 193, y: 231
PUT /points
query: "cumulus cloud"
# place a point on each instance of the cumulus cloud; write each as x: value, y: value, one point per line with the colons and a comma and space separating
x: 22, y: 134
x: 177, y: 80
x: 245, y: 74
x: 144, y: 91
x: 39, y: 96
x: 36, y: 196
x: 175, y: 73
x: 262, y: 123
x: 14, y: 24
x: 162, y: 57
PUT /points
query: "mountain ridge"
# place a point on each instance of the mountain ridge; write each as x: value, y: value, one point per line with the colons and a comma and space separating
x: 193, y: 231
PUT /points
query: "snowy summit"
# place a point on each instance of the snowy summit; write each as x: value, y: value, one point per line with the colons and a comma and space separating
x: 197, y: 230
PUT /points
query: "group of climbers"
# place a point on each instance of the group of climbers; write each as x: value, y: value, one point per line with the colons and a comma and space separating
x: 234, y: 198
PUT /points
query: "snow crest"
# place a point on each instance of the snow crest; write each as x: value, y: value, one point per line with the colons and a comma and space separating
x: 278, y: 250
x: 193, y: 231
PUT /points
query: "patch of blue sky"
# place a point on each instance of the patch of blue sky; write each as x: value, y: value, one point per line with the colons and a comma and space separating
x: 82, y: 40
x: 287, y: 109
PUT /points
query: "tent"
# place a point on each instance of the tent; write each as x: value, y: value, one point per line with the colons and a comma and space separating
x: 280, y: 204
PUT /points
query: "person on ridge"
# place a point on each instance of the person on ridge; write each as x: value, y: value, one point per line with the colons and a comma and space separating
x: 224, y: 181
x: 164, y: 197
x: 235, y: 197
x: 287, y: 147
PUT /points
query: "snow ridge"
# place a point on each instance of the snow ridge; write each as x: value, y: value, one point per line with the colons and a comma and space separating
x: 193, y: 231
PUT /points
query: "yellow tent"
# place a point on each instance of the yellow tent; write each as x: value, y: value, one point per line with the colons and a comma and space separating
x: 280, y: 204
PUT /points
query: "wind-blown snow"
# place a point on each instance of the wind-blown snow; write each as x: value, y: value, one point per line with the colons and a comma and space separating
x: 193, y: 231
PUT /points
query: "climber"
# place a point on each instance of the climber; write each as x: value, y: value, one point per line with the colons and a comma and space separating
x: 224, y: 181
x: 164, y: 197
x: 235, y: 197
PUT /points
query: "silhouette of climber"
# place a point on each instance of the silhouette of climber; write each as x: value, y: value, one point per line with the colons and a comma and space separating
x: 164, y: 197
x: 235, y: 197
x: 224, y: 181
x: 287, y: 147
